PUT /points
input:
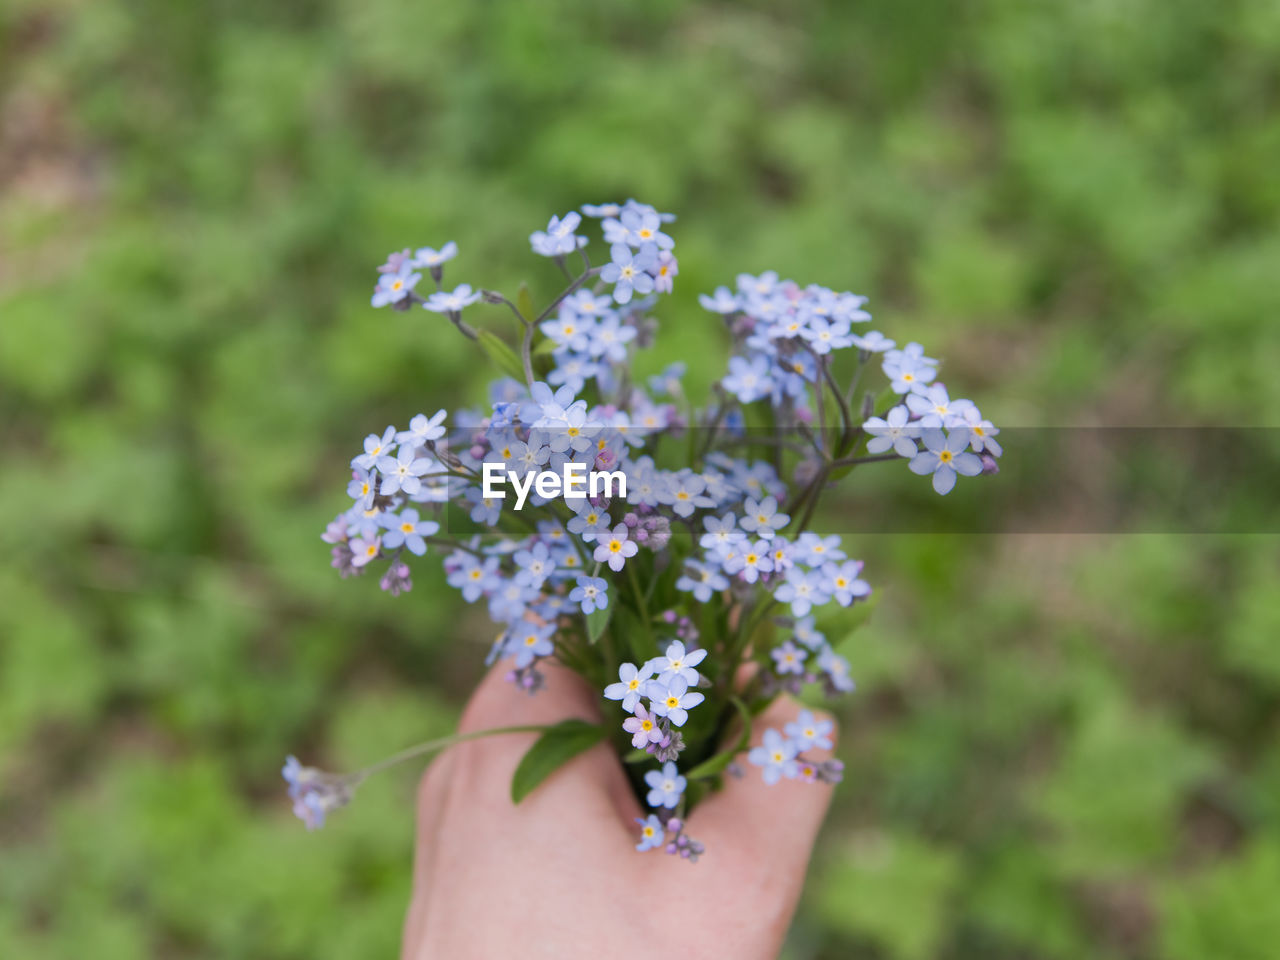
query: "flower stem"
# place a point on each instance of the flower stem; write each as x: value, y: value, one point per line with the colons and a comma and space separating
x: 642, y: 607
x: 430, y: 746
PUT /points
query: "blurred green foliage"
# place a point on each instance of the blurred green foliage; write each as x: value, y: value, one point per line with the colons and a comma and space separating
x: 1062, y: 746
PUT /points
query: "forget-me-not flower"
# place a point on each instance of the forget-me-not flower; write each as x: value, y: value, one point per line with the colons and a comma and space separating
x: 628, y: 271
x: 666, y: 786
x: 945, y: 456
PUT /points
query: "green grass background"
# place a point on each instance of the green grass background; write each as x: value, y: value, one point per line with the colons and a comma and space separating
x: 1062, y: 746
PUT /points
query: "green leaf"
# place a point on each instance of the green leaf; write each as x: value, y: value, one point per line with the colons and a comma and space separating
x: 502, y: 355
x: 841, y: 622
x: 554, y: 748
x: 524, y: 303
x: 597, y: 620
x: 720, y: 762
x: 544, y: 348
x: 637, y: 756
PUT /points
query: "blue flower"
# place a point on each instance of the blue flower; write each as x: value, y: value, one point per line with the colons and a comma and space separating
x: 664, y: 274
x: 632, y: 683
x: 362, y: 488
x: 402, y: 471
x: 573, y: 370
x: 777, y: 755
x: 628, y: 271
x: 788, y: 658
x: 702, y: 582
x: 836, y: 670
x: 748, y: 380
x: 602, y: 210
x: 684, y: 493
x: 845, y: 584
x: 824, y: 336
x: 894, y: 431
x: 559, y: 238
x: 314, y: 793
x: 873, y: 341
x: 652, y: 834
x: 529, y: 641
x: 803, y: 591
x: 590, y: 522
x: 638, y: 226
x: 749, y: 560
x: 364, y: 549
x: 666, y: 786
x: 807, y: 731
x: 668, y: 381
x: 472, y: 575
x: 609, y: 339
x: 615, y: 548
x: 673, y: 700
x: 408, y: 531
x: 803, y: 630
x: 944, y: 457
x: 568, y: 331
x: 485, y: 510
x: 982, y: 433
x: 762, y: 518
x: 535, y: 565
x: 722, y: 535
x: 431, y: 259
x: 935, y: 408
x: 678, y: 663
x: 394, y: 287
x: 591, y: 594
x: 722, y: 302
x: 441, y: 302
x: 375, y: 447
x: 423, y: 430
x: 814, y: 550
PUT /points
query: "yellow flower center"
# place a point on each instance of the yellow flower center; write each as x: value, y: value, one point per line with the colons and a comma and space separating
x: 945, y: 456
x: 672, y: 703
x: 614, y: 546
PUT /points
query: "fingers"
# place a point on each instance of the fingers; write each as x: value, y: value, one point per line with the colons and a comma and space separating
x: 777, y: 822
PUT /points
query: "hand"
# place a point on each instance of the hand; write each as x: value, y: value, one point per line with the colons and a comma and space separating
x: 557, y: 876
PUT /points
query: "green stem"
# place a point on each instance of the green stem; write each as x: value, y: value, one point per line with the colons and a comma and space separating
x: 642, y: 607
x: 432, y: 746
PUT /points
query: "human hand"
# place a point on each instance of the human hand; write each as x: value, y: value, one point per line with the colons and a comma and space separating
x: 557, y: 876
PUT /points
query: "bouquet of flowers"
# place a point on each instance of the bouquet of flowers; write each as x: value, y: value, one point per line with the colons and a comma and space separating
x: 657, y: 547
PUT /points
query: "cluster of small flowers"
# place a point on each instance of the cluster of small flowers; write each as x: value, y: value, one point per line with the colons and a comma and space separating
x: 781, y: 756
x: 780, y: 331
x: 738, y: 546
x: 314, y: 793
x: 935, y: 432
x: 666, y: 682
x: 784, y: 335
x: 397, y: 467
x: 664, y: 831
